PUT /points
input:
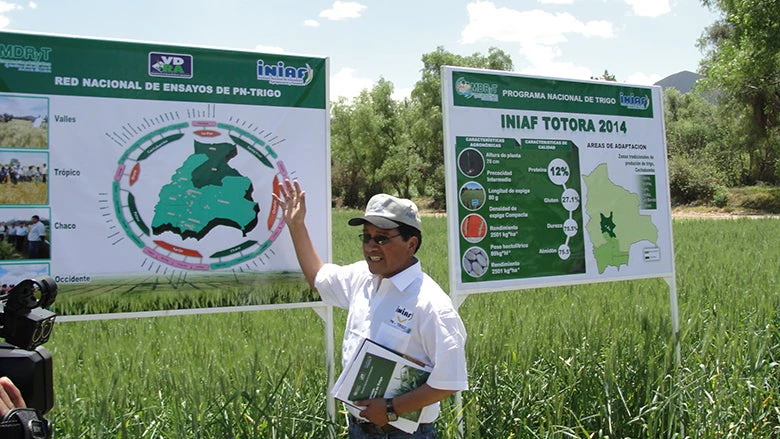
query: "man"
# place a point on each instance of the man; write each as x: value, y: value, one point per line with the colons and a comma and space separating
x: 20, y: 234
x: 390, y: 301
x: 34, y: 238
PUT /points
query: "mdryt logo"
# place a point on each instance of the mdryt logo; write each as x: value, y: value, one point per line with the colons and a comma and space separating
x: 463, y: 87
x: 477, y: 90
x: 170, y: 65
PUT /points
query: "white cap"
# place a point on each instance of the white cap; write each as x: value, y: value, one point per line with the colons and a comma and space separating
x: 388, y: 212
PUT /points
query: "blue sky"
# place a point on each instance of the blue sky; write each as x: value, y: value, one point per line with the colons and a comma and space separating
x: 639, y: 41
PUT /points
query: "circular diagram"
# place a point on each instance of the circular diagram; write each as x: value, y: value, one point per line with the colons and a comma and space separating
x: 558, y: 171
x: 195, y: 193
x: 472, y: 195
x: 473, y: 228
x: 470, y: 162
x: 570, y: 199
x: 475, y: 262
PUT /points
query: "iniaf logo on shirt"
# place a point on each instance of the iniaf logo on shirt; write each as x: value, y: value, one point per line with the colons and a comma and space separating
x: 402, y: 315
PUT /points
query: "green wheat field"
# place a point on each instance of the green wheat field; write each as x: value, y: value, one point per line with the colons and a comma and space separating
x: 570, y: 362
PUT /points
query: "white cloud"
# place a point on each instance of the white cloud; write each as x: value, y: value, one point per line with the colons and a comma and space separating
x: 523, y: 27
x: 345, y: 83
x: 558, y: 69
x: 268, y: 49
x: 32, y: 5
x: 649, y: 8
x: 556, y: 2
x: 342, y: 10
x: 538, y: 54
x: 311, y: 23
x: 643, y: 78
x: 7, y: 7
x: 543, y: 63
x: 537, y: 32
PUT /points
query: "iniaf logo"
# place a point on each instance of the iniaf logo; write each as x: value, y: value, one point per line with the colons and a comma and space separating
x: 171, y: 65
x: 280, y: 74
x: 634, y: 102
x: 402, y: 315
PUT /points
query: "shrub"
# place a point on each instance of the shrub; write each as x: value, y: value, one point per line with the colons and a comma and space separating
x: 692, y: 181
x: 8, y: 251
x: 721, y: 197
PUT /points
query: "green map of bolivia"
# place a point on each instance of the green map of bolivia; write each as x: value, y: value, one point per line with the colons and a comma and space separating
x: 205, y: 193
x: 615, y: 223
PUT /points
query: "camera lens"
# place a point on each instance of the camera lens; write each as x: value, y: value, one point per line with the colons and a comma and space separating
x: 37, y: 334
x: 46, y: 327
x: 42, y: 332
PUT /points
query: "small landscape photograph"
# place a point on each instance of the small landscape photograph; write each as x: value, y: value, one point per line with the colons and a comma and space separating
x: 24, y: 177
x: 25, y: 233
x: 12, y: 274
x: 24, y: 122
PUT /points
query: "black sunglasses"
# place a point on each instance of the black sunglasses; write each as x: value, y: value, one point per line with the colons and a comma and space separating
x: 380, y: 240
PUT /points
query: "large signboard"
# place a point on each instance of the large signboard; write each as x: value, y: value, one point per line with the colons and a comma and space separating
x: 553, y: 182
x: 152, y: 168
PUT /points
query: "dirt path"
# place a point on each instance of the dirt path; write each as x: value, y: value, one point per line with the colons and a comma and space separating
x: 683, y: 213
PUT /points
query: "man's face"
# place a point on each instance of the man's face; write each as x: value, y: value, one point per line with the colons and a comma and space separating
x: 391, y: 258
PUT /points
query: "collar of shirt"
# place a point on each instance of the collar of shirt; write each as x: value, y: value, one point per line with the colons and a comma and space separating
x: 403, y: 279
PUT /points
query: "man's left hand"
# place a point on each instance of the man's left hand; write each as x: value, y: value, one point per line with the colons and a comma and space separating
x: 10, y: 397
x: 375, y: 410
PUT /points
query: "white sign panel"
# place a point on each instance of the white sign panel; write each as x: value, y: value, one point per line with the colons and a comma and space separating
x: 553, y: 181
x: 152, y: 169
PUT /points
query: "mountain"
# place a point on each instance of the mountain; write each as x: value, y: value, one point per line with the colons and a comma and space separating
x: 683, y: 81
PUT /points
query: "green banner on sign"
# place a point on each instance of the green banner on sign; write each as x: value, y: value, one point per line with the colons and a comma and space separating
x: 113, y: 69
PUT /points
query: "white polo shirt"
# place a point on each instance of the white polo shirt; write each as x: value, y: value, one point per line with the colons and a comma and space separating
x: 408, y: 313
x: 36, y: 231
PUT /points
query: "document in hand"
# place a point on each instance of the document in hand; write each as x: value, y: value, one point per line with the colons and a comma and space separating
x: 378, y: 372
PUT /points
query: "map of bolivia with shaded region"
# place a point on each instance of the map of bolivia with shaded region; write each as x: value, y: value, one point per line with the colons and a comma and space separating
x: 615, y: 222
x: 205, y: 192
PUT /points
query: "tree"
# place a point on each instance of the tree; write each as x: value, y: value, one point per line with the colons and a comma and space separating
x: 699, y: 140
x: 742, y: 62
x: 403, y: 166
x: 691, y: 122
x: 606, y: 76
x: 347, y: 171
x: 381, y: 145
x: 426, y: 129
x: 370, y: 146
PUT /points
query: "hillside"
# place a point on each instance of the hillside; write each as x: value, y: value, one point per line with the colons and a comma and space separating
x: 683, y: 81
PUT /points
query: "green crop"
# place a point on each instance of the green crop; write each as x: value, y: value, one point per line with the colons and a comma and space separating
x: 580, y: 361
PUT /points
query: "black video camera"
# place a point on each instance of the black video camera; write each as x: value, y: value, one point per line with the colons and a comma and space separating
x: 25, y: 325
